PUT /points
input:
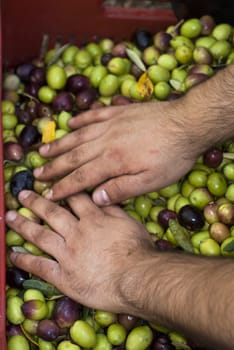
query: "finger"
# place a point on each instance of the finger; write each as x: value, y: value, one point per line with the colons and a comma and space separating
x: 58, y: 218
x: 88, y: 175
x: 96, y: 116
x: 40, y: 235
x: 120, y: 188
x: 47, y: 269
x: 66, y: 163
x: 82, y: 205
x: 67, y: 142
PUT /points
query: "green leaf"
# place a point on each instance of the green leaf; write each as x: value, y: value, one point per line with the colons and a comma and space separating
x: 57, y: 54
x: 181, y: 235
x: 136, y: 59
x: 46, y: 288
x: 229, y: 247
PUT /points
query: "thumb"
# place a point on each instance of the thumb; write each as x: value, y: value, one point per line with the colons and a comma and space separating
x: 118, y: 189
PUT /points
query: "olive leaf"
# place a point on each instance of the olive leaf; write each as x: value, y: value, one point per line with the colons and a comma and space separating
x: 47, y: 289
x: 229, y: 247
x: 136, y: 59
x: 181, y: 235
x: 176, y: 84
x: 57, y: 54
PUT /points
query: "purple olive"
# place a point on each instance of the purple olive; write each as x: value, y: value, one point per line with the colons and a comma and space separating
x: 213, y: 157
x: 127, y: 321
x: 13, y: 151
x: 106, y: 57
x: 164, y: 216
x: 23, y: 116
x: 32, y: 89
x: 44, y: 110
x: 163, y: 245
x: 208, y: 24
x: 162, y: 40
x: 48, y: 330
x: 29, y: 136
x: 66, y: 312
x: 85, y: 98
x: 162, y: 342
x: 38, y: 76
x: 63, y: 101
x: 119, y: 50
x: 31, y: 107
x: 24, y: 71
x: 194, y: 79
x: 77, y: 83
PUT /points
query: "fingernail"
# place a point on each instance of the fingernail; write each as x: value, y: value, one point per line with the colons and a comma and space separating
x: 49, y: 194
x: 24, y: 194
x: 13, y: 257
x: 44, y: 148
x: 11, y: 215
x: 101, y: 197
x: 38, y: 171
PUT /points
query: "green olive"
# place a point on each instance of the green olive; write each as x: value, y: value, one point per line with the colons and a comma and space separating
x: 67, y: 345
x: 97, y: 74
x: 82, y: 59
x: 18, y: 342
x: 69, y: 54
x: 200, y: 197
x: 154, y: 211
x: 13, y: 238
x: 181, y: 202
x: 220, y: 49
x: 139, y: 338
x: 171, y: 201
x: 154, y: 228
x: 216, y: 184
x: 83, y: 334
x: 167, y: 61
x: 109, y: 85
x: 181, y: 40
x: 186, y: 188
x: 197, y: 178
x: 56, y: 77
x: 33, y: 159
x: 162, y: 90
x: 14, y: 313
x: 46, y: 94
x: 222, y: 31
x: 205, y: 41
x: 9, y: 121
x: 199, y: 237
x: 191, y: 28
x: 134, y: 215
x: 228, y: 171
x: 210, y: 247
x: 157, y: 73
x: 230, y: 192
x: 142, y: 206
x: 224, y: 245
x: 94, y: 49
x: 31, y: 294
x: 169, y: 190
x: 104, y: 318
x: 63, y: 119
x: 184, y: 54
x: 102, y: 343
x: 116, y: 333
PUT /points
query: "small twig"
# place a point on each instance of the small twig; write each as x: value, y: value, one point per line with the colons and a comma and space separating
x: 228, y: 155
x: 44, y: 46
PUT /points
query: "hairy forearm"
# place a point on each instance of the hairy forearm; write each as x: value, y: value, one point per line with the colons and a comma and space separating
x: 206, y: 112
x: 190, y: 294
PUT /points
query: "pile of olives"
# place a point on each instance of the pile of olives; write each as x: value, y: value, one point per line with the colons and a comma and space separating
x: 196, y: 214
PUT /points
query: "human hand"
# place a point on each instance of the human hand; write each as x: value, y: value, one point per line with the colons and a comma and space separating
x: 125, y: 151
x: 92, y: 247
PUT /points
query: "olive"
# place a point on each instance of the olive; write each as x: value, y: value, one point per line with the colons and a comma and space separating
x: 66, y: 312
x: 83, y: 334
x: 165, y: 216
x: 191, y: 218
x: 139, y: 338
x: 35, y: 309
x: 18, y: 342
x: 29, y: 136
x: 15, y: 277
x: 142, y: 39
x: 48, y: 329
x: 116, y: 334
x: 22, y: 180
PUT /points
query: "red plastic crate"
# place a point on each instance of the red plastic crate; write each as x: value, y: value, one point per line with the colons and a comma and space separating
x: 23, y: 24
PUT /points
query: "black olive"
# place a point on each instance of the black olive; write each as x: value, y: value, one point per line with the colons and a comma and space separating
x: 22, y: 180
x: 15, y: 277
x: 142, y: 39
x: 191, y: 218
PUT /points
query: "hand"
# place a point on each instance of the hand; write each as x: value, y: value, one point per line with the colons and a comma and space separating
x: 92, y: 248
x: 125, y: 151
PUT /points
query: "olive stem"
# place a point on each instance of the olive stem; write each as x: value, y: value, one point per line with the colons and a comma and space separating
x: 228, y: 155
x: 28, y: 336
x: 29, y: 96
x: 44, y: 46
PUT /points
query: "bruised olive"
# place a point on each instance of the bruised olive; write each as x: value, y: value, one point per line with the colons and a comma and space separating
x: 22, y: 180
x: 191, y: 218
x: 28, y: 136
